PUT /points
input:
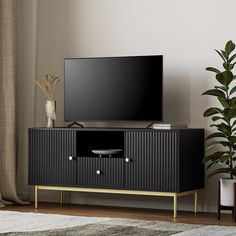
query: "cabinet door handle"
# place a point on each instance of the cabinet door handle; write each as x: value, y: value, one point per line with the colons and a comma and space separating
x: 98, y: 172
x: 126, y: 159
x: 70, y: 158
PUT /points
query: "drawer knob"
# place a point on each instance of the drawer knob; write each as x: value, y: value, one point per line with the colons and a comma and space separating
x: 127, y: 159
x: 98, y: 172
x: 70, y: 158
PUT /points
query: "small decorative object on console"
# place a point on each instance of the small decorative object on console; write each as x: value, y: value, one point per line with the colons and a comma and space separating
x: 47, y: 85
x: 108, y: 152
x: 169, y: 126
x: 50, y: 107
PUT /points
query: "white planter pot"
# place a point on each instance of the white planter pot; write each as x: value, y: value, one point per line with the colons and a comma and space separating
x: 227, y: 192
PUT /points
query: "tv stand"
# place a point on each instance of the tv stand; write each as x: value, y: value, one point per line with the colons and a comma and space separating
x: 144, y: 161
x: 75, y: 123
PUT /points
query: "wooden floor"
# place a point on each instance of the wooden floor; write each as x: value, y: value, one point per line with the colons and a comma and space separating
x: 142, y: 214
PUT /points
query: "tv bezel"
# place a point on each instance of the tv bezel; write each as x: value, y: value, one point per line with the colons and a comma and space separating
x: 117, y: 121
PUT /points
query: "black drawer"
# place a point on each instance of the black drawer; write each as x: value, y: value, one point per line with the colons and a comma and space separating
x: 96, y: 172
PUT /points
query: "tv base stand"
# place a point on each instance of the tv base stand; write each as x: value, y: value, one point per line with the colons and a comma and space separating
x: 150, y: 125
x: 120, y: 191
x: 75, y: 123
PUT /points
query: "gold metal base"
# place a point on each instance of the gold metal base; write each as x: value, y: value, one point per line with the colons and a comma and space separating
x: 61, y: 197
x: 119, y: 191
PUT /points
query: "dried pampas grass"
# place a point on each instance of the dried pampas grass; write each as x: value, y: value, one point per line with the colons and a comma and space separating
x: 47, y: 85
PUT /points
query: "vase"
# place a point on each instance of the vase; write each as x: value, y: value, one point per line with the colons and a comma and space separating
x: 227, y: 191
x: 50, y: 107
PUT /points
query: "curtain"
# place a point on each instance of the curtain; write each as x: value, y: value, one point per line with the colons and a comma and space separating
x: 8, y: 118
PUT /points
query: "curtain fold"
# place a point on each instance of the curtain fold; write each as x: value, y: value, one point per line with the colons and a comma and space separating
x: 8, y: 110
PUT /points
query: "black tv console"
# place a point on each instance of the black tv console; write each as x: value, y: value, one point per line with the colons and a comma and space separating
x: 149, y: 162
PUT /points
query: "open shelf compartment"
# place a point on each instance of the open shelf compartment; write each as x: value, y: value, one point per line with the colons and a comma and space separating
x: 99, y: 140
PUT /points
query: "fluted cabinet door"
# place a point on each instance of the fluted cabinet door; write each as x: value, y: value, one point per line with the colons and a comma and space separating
x: 153, y: 160
x: 52, y: 157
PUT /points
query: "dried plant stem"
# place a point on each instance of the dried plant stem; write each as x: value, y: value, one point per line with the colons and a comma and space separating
x: 47, y: 85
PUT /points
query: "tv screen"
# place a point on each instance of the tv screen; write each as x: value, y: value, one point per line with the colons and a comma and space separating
x: 113, y: 89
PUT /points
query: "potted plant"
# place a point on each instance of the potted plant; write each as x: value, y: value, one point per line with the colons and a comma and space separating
x: 222, y: 143
x: 47, y: 85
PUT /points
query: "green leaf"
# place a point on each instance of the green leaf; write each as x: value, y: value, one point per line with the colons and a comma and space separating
x: 233, y: 90
x: 215, y: 118
x: 212, y: 69
x: 210, y: 165
x: 226, y: 114
x: 224, y: 88
x: 229, y: 47
x: 221, y: 55
x: 223, y: 102
x: 230, y: 66
x: 212, y: 157
x: 224, y: 54
x: 214, y: 92
x: 225, y: 77
x: 232, y: 140
x: 224, y: 159
x: 228, y: 75
x: 220, y: 78
x: 232, y: 58
x: 232, y: 112
x: 224, y: 143
x: 234, y: 129
x: 234, y: 123
x: 225, y: 65
x: 223, y: 128
x: 212, y: 111
x: 215, y: 135
x: 232, y: 101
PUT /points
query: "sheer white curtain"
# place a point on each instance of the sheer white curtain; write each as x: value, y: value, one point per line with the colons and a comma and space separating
x: 8, y: 118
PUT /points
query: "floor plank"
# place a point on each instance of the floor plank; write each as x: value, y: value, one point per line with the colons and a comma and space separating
x: 119, y: 212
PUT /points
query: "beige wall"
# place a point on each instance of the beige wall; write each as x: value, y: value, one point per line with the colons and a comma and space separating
x: 184, y: 31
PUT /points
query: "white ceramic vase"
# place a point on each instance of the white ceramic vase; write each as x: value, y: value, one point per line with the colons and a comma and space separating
x: 50, y: 107
x: 227, y: 192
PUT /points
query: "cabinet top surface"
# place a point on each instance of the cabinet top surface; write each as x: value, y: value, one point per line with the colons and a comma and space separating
x: 112, y: 129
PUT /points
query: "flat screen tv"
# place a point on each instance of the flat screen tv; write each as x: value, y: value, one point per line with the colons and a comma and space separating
x: 113, y: 88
